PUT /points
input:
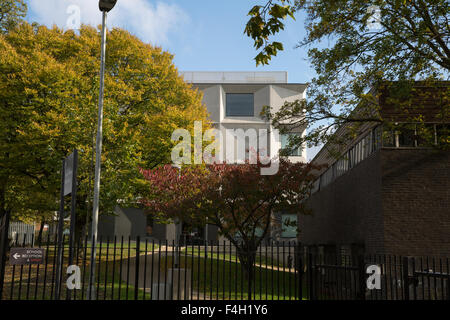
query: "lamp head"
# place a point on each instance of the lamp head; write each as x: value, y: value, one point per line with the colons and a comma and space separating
x: 106, y: 5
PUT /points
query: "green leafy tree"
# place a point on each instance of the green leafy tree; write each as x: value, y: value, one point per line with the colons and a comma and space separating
x: 48, y: 107
x: 380, y: 44
x: 12, y: 13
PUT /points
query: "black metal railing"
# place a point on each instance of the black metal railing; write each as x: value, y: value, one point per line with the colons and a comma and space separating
x: 137, y: 269
x: 143, y: 269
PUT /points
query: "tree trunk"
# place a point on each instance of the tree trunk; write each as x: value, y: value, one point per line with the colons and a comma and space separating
x: 247, y: 255
x: 41, y: 229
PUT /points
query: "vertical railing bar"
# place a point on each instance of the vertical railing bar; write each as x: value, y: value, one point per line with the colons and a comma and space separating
x: 91, y: 284
x: 236, y: 274
x: 260, y: 272
x: 428, y: 279
x: 137, y: 267
x: 37, y: 274
x: 384, y: 272
x: 278, y: 269
x: 174, y: 256
x: 434, y: 279
x: 192, y: 270
x: 159, y: 269
x: 396, y: 278
x: 199, y: 271
x: 99, y: 267
x: 218, y: 269
x: 13, y: 280
x: 185, y: 270
x: 224, y: 270
x: 442, y: 278
x: 231, y: 272
x: 120, y: 268
x: 77, y: 257
x: 46, y: 266
x: 106, y: 268
x: 178, y: 253
x: 84, y: 267
x: 448, y: 279
x: 266, y: 264
x: 145, y: 269
x: 346, y: 270
x: 153, y: 267
x: 242, y: 281
x: 165, y: 273
x: 205, y: 265
x: 128, y: 267
x: 13, y: 276
x: 291, y: 262
x: 390, y: 287
x: 113, y: 280
x: 166, y: 270
x: 422, y: 279
x: 284, y: 272
x: 413, y: 274
x: 21, y: 271
x: 211, y: 270
x: 29, y: 274
x: 272, y: 268
x: 218, y: 260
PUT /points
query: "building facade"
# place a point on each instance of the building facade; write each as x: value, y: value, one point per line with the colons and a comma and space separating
x: 234, y: 101
x: 388, y: 193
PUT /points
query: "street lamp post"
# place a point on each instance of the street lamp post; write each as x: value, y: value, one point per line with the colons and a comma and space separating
x: 105, y: 6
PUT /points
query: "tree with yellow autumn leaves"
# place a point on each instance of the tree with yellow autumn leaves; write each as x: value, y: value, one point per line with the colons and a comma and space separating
x: 49, y: 87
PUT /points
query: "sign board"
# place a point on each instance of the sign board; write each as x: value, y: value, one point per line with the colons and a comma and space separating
x: 20, y: 256
x: 68, y: 174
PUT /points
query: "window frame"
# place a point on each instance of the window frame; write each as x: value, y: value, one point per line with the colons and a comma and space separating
x: 299, y: 149
x: 227, y: 113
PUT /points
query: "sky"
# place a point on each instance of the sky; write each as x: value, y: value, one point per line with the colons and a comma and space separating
x: 203, y: 35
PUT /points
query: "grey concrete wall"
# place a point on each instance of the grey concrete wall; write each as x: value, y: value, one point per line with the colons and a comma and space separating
x: 106, y: 226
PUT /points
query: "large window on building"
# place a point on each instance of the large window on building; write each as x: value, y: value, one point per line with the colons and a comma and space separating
x: 288, y: 226
x: 240, y: 105
x: 285, y: 145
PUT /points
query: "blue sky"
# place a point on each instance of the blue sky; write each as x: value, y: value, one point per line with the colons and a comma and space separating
x: 203, y: 35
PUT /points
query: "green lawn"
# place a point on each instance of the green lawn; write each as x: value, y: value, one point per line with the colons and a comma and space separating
x: 214, y: 278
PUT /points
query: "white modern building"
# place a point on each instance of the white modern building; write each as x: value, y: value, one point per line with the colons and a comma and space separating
x: 235, y: 100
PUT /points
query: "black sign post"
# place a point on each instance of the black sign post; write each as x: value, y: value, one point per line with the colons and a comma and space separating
x: 4, y: 230
x: 68, y: 186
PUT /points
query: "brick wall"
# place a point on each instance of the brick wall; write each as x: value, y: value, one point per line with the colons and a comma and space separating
x: 416, y: 201
x: 396, y: 202
x: 348, y: 211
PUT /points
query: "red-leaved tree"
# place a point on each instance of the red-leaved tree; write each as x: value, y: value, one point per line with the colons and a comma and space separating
x: 235, y: 197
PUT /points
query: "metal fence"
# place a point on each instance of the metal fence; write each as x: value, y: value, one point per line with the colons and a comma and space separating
x: 22, y: 232
x: 333, y: 277
x: 138, y: 269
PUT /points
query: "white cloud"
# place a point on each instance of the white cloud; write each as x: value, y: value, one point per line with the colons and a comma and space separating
x: 152, y: 23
